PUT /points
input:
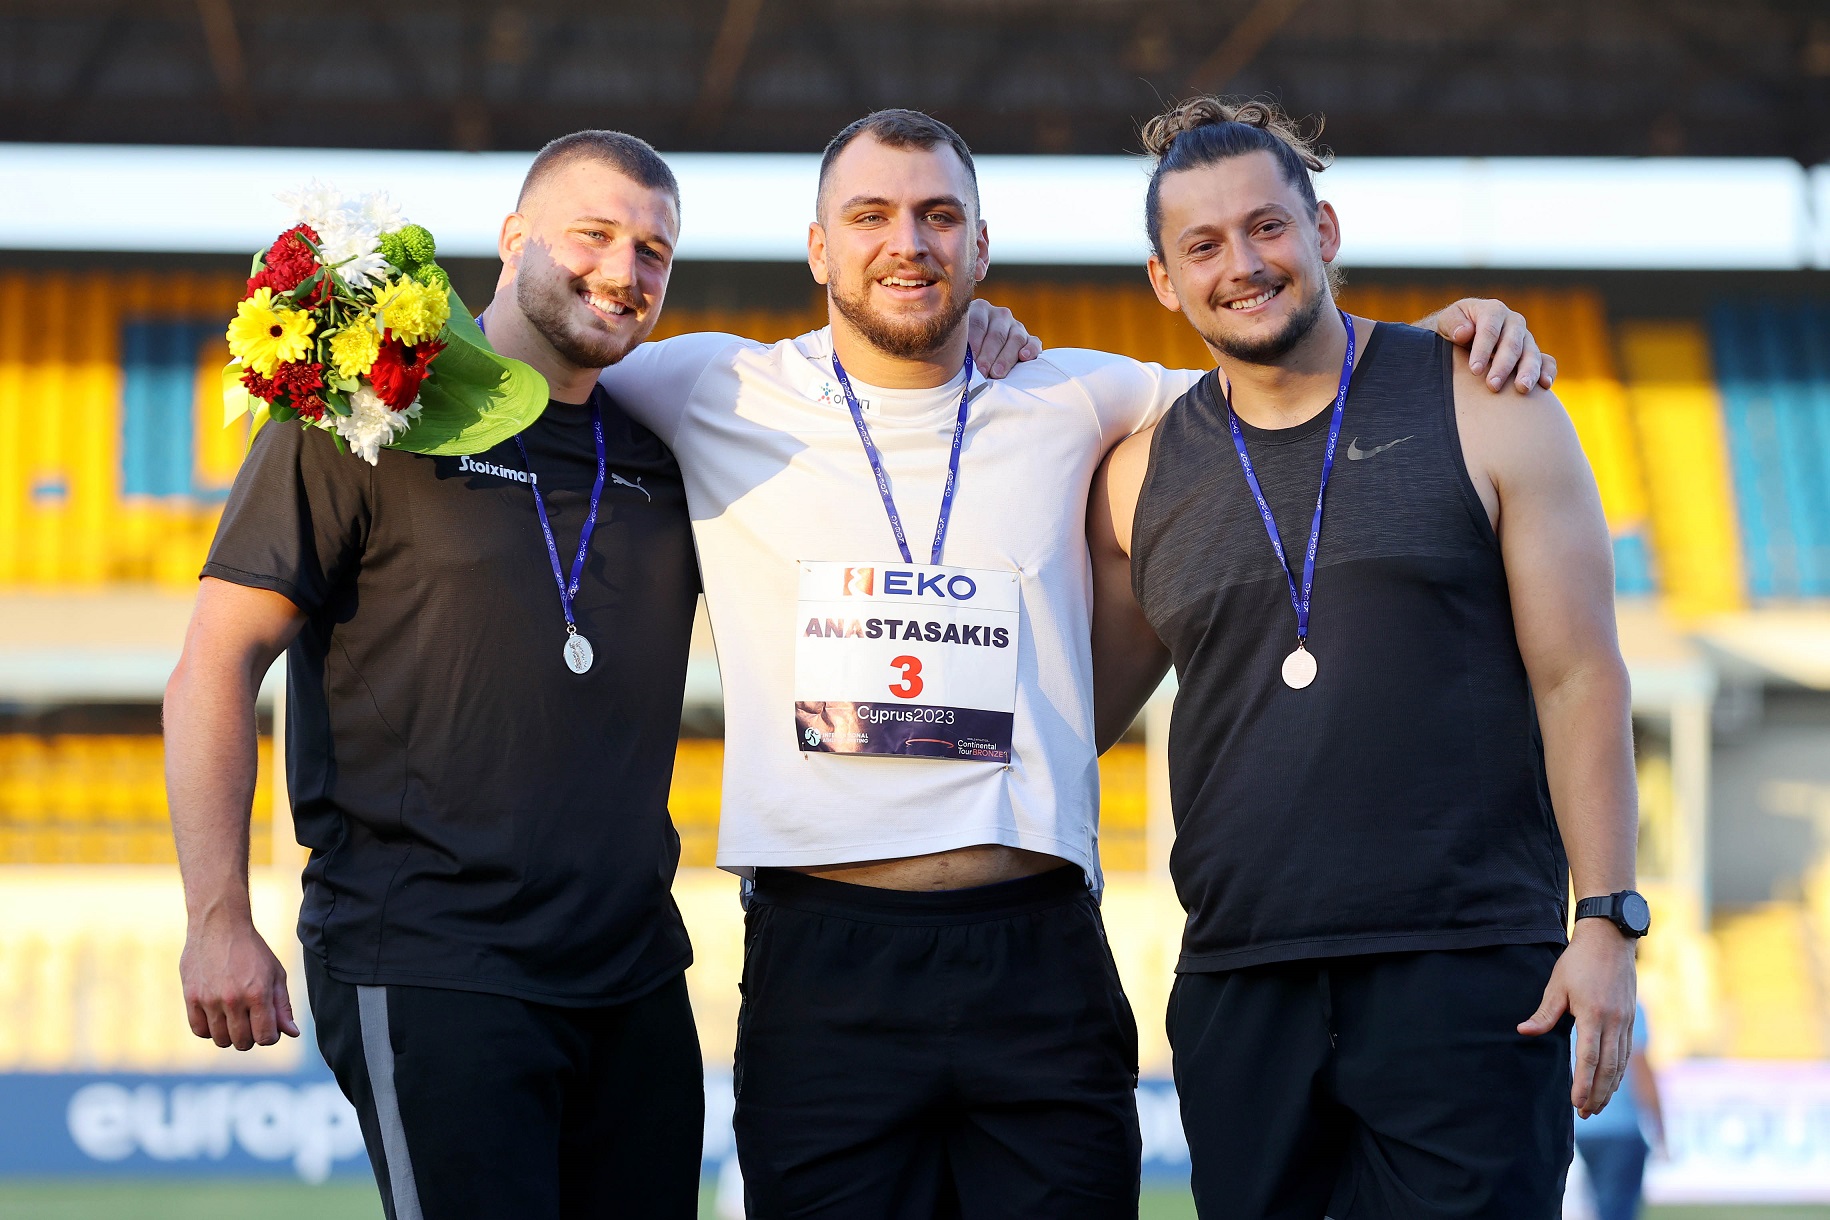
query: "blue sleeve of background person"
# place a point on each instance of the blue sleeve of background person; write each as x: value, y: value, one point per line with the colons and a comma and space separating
x: 1621, y: 1117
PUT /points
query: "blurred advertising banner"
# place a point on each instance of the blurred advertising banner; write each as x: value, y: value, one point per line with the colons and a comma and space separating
x: 1744, y: 1131
x: 1737, y: 1131
x: 135, y: 1126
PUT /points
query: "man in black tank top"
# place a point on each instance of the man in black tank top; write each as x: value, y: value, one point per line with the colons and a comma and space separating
x: 1381, y: 748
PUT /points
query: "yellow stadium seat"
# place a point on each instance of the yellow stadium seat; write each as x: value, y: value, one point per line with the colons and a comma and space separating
x: 1767, y: 984
x: 100, y: 799
x: 1677, y: 415
x: 695, y: 797
x: 15, y: 422
x: 1123, y: 820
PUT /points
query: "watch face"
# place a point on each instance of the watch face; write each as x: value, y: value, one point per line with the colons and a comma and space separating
x: 1635, y: 913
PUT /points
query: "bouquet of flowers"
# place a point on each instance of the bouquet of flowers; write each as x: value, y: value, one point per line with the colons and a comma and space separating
x: 350, y: 326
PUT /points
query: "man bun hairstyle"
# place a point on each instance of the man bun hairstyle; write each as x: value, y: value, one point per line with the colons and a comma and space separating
x: 1205, y: 130
x: 898, y: 128
x: 631, y: 156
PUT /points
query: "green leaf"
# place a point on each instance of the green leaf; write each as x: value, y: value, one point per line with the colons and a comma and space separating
x: 236, y: 401
x: 348, y: 385
x: 472, y: 399
x: 306, y: 287
x: 338, y: 403
x: 281, y: 413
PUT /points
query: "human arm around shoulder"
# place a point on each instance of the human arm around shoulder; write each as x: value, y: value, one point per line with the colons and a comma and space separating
x: 1128, y: 659
x: 1531, y: 474
x: 655, y: 380
x: 291, y: 533
x: 1498, y: 336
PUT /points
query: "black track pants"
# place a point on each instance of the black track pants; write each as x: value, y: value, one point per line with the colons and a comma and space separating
x: 907, y: 1056
x: 481, y: 1107
x: 1392, y: 1086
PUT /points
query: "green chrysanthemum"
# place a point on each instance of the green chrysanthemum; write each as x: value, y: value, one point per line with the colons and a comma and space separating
x: 408, y: 247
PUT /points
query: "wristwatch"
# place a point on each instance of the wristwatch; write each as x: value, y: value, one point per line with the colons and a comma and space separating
x: 1626, y: 910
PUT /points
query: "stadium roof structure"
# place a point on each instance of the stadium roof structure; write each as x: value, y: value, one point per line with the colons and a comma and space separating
x: 1393, y: 77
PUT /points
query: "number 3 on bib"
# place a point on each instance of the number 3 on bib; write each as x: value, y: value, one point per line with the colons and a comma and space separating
x: 911, y: 683
x: 906, y: 660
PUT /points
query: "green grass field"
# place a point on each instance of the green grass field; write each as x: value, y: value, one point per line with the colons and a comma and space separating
x: 356, y: 1201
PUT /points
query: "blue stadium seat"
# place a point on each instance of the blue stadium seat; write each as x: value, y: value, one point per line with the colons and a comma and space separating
x: 1773, y: 364
x: 158, y: 397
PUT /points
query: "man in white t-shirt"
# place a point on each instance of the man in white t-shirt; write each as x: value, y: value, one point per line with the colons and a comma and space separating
x: 894, y: 557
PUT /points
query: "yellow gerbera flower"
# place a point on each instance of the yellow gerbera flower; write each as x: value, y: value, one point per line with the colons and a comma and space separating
x: 262, y: 335
x: 354, y: 348
x: 411, y: 311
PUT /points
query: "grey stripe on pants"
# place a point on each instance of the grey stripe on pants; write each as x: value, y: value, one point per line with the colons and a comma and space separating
x: 378, y: 1053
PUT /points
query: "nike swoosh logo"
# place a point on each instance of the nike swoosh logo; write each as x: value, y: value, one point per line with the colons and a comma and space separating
x: 1355, y: 453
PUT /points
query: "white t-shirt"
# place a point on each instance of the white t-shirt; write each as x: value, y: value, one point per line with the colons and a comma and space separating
x: 775, y: 474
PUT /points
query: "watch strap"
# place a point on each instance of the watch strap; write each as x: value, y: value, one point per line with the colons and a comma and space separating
x: 1599, y: 907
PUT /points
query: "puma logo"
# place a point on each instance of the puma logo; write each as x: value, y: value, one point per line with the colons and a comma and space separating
x: 620, y: 481
x: 1355, y: 453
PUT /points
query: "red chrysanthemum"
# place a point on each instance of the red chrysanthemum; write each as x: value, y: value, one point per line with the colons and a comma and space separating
x: 301, y: 381
x: 400, y: 368
x: 296, y: 385
x: 289, y: 262
x: 265, y: 388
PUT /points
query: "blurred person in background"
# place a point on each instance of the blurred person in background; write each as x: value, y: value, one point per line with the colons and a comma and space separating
x: 1615, y: 1143
x: 1370, y: 825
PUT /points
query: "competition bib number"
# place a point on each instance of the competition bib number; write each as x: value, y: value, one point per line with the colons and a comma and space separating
x: 906, y: 660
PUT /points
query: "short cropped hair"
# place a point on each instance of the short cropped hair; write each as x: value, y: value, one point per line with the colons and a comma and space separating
x: 631, y: 156
x: 899, y: 128
x: 1205, y: 130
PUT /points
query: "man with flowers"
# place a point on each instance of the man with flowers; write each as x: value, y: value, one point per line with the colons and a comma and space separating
x: 494, y: 961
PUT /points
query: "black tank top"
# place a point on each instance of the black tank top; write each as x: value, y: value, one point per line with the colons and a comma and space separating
x: 1399, y: 803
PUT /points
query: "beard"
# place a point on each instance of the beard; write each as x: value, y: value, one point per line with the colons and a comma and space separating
x: 906, y: 340
x: 548, y: 296
x: 1269, y: 349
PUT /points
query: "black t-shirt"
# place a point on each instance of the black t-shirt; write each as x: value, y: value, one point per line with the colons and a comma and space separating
x: 479, y: 816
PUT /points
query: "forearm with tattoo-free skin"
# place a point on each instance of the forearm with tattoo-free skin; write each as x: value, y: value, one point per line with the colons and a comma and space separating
x: 1128, y: 659
x: 234, y: 986
x: 1540, y: 494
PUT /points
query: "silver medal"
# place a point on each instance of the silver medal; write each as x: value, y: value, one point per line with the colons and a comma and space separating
x: 578, y: 654
x: 1299, y: 668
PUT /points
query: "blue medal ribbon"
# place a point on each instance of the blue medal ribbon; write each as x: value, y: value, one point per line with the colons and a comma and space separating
x: 569, y: 591
x: 883, y: 479
x: 1299, y: 602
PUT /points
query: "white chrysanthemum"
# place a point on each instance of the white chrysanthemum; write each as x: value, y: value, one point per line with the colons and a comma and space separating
x: 370, y: 424
x: 349, y: 230
x: 312, y: 204
x: 378, y: 210
x: 353, y: 248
